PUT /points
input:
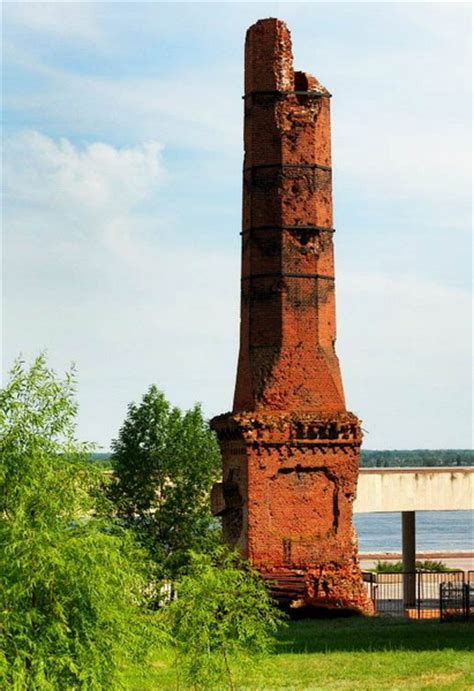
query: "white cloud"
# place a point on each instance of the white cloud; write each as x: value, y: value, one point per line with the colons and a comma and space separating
x: 76, y: 20
x: 89, y: 277
x: 405, y: 348
x: 135, y: 107
x: 400, y: 156
x: 97, y: 177
x: 401, y: 125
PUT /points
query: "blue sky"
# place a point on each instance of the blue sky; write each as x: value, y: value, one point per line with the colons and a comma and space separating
x: 122, y: 183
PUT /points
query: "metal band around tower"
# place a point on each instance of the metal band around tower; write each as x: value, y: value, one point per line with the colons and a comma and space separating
x: 277, y: 94
x: 310, y: 229
x: 303, y: 166
x: 284, y: 274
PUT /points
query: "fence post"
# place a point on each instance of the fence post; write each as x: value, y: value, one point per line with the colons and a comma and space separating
x: 409, y: 558
x: 418, y: 577
x: 441, y: 602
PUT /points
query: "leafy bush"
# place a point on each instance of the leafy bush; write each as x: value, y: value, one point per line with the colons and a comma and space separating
x: 71, y: 582
x: 397, y: 566
x: 223, y: 611
x: 165, y: 463
x: 429, y: 565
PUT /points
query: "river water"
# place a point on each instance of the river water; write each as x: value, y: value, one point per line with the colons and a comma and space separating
x: 436, y: 531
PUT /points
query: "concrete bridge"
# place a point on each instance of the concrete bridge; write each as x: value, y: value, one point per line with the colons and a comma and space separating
x: 409, y: 490
x: 381, y: 490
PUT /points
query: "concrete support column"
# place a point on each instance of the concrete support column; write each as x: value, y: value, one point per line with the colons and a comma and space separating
x: 409, y: 558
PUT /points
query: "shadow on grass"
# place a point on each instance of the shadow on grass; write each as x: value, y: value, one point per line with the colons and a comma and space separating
x: 373, y: 634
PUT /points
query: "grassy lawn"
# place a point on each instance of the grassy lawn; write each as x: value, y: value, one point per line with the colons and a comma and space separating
x: 355, y: 653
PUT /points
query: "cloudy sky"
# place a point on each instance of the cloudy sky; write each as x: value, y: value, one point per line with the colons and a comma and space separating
x: 122, y: 182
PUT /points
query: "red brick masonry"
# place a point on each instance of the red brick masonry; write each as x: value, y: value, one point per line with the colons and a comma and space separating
x: 290, y: 449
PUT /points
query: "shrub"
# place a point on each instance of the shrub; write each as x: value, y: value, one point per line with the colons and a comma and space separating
x: 71, y: 582
x: 165, y: 463
x: 222, y: 612
x: 397, y: 566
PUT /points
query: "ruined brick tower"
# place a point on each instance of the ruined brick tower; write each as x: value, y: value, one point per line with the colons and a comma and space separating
x: 290, y: 449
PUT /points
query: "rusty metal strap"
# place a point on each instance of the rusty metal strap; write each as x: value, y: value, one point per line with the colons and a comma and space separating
x: 283, y: 274
x: 283, y: 94
x: 299, y: 229
x: 307, y: 166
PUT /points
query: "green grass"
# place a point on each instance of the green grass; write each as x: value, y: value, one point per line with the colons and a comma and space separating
x: 355, y: 653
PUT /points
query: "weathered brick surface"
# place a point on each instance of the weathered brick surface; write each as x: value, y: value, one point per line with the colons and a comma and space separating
x: 290, y: 448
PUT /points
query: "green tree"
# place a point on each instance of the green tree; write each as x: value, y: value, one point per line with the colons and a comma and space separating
x: 222, y: 616
x: 70, y: 581
x: 165, y: 463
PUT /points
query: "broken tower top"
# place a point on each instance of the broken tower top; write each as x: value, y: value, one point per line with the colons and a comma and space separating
x: 269, y: 60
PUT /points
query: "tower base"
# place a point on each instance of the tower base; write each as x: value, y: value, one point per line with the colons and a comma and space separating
x: 289, y: 480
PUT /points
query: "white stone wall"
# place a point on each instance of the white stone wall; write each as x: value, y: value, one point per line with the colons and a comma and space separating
x: 414, y: 489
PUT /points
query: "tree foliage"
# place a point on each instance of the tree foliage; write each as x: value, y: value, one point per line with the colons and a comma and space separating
x: 164, y: 465
x: 222, y: 615
x: 70, y: 581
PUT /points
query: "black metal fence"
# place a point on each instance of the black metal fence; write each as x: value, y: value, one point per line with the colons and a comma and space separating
x: 418, y: 594
x: 470, y: 583
x: 454, y: 601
